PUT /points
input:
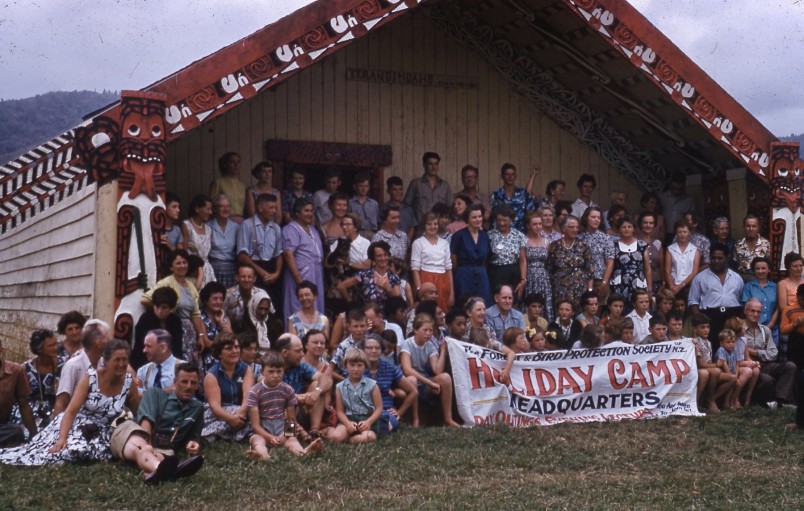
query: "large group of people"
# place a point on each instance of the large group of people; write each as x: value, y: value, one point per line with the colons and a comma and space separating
x: 290, y: 318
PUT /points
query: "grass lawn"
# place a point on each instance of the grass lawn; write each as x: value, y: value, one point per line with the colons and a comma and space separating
x: 736, y: 460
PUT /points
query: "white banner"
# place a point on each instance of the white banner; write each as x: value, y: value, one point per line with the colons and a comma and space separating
x: 614, y: 382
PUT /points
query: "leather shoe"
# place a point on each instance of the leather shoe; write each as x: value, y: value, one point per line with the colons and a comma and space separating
x: 164, y: 471
x: 189, y: 466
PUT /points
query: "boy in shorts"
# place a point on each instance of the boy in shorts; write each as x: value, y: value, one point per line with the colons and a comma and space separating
x: 271, y: 405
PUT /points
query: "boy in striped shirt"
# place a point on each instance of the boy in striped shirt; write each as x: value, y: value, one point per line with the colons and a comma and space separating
x: 271, y: 405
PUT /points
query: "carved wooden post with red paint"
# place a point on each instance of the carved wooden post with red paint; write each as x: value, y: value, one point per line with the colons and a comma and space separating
x: 786, y: 203
x: 128, y: 144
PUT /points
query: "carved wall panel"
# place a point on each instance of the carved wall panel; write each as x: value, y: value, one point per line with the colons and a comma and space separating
x: 558, y: 103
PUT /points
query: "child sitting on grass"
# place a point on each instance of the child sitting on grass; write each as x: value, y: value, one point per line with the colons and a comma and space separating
x: 421, y: 360
x: 357, y: 325
x: 271, y: 404
x: 713, y: 383
x: 358, y: 403
x: 731, y: 359
x: 737, y: 325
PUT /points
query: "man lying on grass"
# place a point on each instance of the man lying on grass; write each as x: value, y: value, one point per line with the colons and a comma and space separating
x: 166, y: 422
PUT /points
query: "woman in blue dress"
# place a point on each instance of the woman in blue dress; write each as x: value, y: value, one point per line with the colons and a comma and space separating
x: 470, y: 249
x: 303, y: 256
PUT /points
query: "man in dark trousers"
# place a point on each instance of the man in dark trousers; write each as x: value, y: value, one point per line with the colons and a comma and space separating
x: 716, y: 292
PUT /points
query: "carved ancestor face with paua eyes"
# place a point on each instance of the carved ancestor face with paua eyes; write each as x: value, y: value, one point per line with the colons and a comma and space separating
x: 142, y: 143
x: 786, y: 177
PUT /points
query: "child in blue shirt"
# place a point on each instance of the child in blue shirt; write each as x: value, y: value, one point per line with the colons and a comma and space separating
x: 731, y: 359
x: 357, y: 401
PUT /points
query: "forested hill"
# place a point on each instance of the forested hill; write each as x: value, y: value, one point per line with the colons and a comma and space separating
x: 26, y: 123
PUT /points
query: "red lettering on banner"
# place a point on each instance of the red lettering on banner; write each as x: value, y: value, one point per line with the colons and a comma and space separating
x: 681, y: 368
x: 529, y: 390
x: 657, y: 373
x: 572, y: 380
x: 566, y: 382
x: 477, y: 368
x: 585, y: 377
x: 657, y: 369
x: 637, y: 378
x: 545, y: 382
x: 617, y: 368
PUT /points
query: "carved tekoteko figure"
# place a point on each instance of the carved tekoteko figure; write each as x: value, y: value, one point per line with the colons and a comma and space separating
x: 785, y: 180
x: 131, y: 148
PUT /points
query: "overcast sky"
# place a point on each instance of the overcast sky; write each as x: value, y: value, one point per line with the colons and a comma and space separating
x: 753, y: 48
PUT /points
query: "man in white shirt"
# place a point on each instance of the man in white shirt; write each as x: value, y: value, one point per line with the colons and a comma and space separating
x: 332, y: 181
x: 586, y: 185
x: 94, y: 337
x: 159, y: 372
x: 716, y: 292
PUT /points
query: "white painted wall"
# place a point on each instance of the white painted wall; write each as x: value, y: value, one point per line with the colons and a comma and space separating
x: 47, y: 268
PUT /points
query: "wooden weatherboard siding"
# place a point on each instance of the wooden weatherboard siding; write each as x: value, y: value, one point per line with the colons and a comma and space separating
x: 46, y: 269
x: 481, y: 121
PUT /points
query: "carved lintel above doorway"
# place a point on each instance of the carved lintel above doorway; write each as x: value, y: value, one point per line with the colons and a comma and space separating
x: 371, y: 158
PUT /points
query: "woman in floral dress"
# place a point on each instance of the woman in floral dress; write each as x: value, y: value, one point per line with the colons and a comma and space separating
x: 631, y: 270
x: 600, y: 244
x: 569, y: 260
x: 550, y: 231
x: 536, y: 250
x: 83, y: 431
x: 43, y: 372
x: 377, y: 283
x: 507, y: 264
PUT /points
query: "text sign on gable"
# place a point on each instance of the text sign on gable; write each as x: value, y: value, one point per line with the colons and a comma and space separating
x: 390, y: 77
